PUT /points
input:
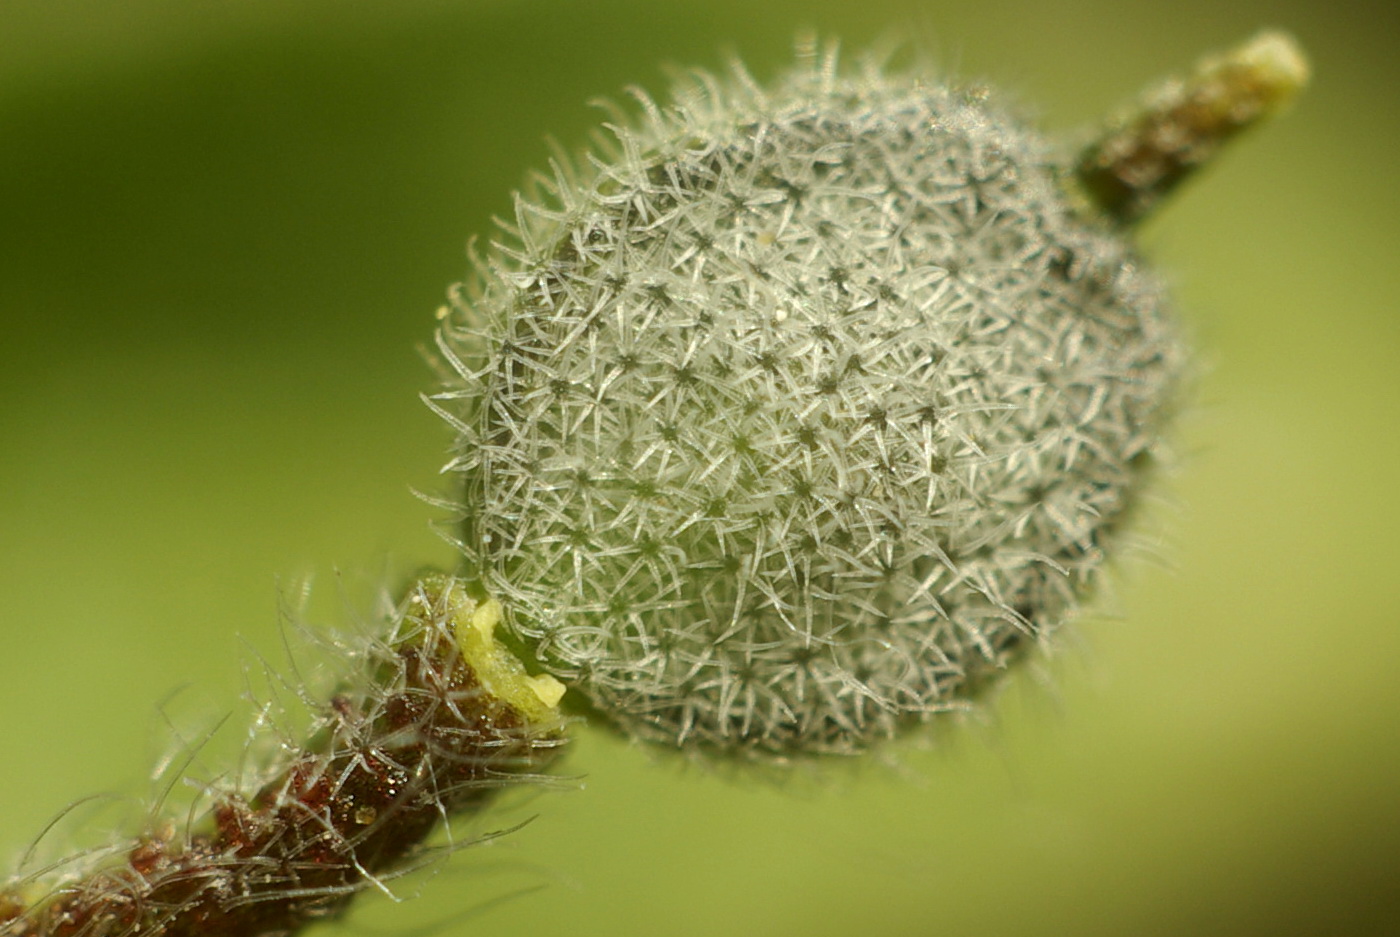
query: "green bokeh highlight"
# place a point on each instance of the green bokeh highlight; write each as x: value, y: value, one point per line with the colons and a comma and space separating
x: 224, y: 229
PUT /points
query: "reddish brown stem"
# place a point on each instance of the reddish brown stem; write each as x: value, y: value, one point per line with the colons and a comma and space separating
x: 432, y: 735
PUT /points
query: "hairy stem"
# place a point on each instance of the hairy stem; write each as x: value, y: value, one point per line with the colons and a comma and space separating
x: 445, y: 719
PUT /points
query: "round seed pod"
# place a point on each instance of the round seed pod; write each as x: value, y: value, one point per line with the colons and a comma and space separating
x: 799, y: 411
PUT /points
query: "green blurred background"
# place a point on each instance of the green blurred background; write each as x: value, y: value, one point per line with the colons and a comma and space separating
x: 224, y: 228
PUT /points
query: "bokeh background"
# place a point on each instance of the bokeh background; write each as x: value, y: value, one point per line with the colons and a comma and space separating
x: 224, y: 229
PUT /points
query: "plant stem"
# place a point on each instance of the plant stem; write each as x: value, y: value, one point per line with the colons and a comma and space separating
x: 443, y: 720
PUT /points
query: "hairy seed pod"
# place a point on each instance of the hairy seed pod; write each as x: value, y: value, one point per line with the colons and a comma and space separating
x: 802, y: 410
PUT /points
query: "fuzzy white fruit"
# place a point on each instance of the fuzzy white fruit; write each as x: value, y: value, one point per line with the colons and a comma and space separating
x: 800, y: 411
